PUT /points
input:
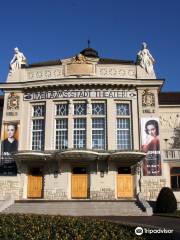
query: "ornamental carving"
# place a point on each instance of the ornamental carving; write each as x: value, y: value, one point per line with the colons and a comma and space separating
x: 51, y: 73
x: 13, y: 101
x: 79, y: 59
x: 148, y: 99
x: 169, y: 120
x: 119, y: 72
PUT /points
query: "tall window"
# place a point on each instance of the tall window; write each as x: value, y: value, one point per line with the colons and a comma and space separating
x: 62, y: 126
x: 123, y: 126
x: 79, y: 133
x: 38, y: 122
x: 98, y: 126
x: 80, y: 111
x: 175, y: 178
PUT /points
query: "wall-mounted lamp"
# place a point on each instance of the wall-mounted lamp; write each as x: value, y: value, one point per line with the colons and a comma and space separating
x: 55, y: 174
x: 102, y: 174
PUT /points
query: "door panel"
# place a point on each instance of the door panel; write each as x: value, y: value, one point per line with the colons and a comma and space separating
x: 124, y: 185
x: 34, y: 186
x: 79, y: 185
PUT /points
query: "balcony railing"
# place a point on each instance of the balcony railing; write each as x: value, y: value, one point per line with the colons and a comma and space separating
x: 173, y: 154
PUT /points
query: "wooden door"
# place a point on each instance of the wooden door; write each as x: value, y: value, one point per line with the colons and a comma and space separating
x: 79, y: 185
x: 124, y: 186
x: 34, y: 186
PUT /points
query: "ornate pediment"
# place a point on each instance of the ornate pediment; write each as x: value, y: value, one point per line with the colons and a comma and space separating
x: 79, y: 65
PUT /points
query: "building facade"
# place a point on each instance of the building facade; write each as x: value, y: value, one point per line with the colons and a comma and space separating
x: 88, y: 127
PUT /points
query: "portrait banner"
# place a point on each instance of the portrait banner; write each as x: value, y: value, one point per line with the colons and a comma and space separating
x: 9, y: 145
x: 151, y: 146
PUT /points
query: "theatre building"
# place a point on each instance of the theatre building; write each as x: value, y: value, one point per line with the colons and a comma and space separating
x: 88, y: 127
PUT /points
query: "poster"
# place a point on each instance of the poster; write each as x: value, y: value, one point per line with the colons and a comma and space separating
x: 151, y: 146
x: 9, y: 145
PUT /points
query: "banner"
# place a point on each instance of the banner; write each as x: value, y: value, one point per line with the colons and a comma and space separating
x: 9, y: 144
x: 151, y: 146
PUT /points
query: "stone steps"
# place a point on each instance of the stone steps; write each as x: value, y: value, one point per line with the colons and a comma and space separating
x: 75, y: 208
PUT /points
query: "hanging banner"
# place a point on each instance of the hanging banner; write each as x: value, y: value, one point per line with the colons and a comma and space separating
x: 9, y: 145
x: 151, y: 146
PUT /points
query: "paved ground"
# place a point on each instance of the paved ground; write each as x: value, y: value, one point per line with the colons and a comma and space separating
x: 156, y: 221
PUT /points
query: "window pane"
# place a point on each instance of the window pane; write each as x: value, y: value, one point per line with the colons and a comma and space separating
x: 38, y: 111
x: 62, y: 109
x: 123, y: 134
x: 122, y: 109
x: 61, y: 133
x: 79, y: 133
x: 123, y: 123
x: 98, y: 133
x: 174, y: 183
x: 38, y: 134
x: 80, y: 109
x: 98, y: 108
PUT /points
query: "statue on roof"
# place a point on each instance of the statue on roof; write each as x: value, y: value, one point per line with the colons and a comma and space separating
x: 18, y: 60
x: 145, y: 59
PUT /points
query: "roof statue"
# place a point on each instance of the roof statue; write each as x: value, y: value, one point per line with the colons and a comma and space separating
x: 145, y: 59
x: 18, y: 60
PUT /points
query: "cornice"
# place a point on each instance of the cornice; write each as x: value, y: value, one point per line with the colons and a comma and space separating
x: 69, y: 82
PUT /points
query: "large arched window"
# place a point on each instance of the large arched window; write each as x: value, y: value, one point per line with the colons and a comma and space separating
x: 175, y: 178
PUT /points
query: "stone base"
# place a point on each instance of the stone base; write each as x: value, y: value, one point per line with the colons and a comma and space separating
x: 151, y: 188
x: 103, y: 194
x: 55, y: 194
x: 10, y: 189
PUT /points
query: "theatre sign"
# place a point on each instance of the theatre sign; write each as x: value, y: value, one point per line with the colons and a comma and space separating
x: 55, y: 94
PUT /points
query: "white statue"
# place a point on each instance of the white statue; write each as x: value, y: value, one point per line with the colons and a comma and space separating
x: 145, y: 59
x: 18, y: 60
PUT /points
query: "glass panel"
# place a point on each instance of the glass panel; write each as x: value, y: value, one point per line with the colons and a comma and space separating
x: 61, y: 133
x: 79, y: 133
x: 62, y: 109
x: 123, y: 134
x: 98, y: 108
x: 38, y: 111
x: 122, y: 109
x: 98, y: 133
x: 38, y: 134
x: 174, y: 184
x: 80, y: 109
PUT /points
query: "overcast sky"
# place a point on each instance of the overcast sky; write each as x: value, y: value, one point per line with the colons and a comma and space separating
x: 55, y: 29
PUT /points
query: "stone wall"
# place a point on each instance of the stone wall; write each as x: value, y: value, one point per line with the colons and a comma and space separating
x: 151, y: 187
x: 55, y: 194
x: 102, y: 194
x: 10, y: 189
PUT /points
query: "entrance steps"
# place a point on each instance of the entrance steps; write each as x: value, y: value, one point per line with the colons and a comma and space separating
x: 76, y: 208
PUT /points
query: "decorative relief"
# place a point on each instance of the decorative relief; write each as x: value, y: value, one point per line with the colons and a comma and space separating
x: 53, y: 73
x: 13, y: 101
x: 148, y: 99
x: 79, y: 59
x: 116, y: 72
x: 170, y: 120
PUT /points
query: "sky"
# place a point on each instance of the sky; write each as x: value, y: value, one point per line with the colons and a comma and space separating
x: 56, y: 29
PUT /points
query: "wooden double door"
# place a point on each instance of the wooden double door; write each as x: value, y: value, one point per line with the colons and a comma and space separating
x: 79, y: 183
x: 35, y: 184
x: 124, y: 183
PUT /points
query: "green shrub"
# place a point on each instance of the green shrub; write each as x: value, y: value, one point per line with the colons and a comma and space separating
x: 45, y: 227
x: 166, y: 201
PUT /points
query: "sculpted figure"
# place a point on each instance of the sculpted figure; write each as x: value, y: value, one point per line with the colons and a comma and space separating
x: 145, y: 59
x: 18, y: 60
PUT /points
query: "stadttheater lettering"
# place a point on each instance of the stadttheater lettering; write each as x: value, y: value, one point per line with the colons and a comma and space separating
x: 55, y: 94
